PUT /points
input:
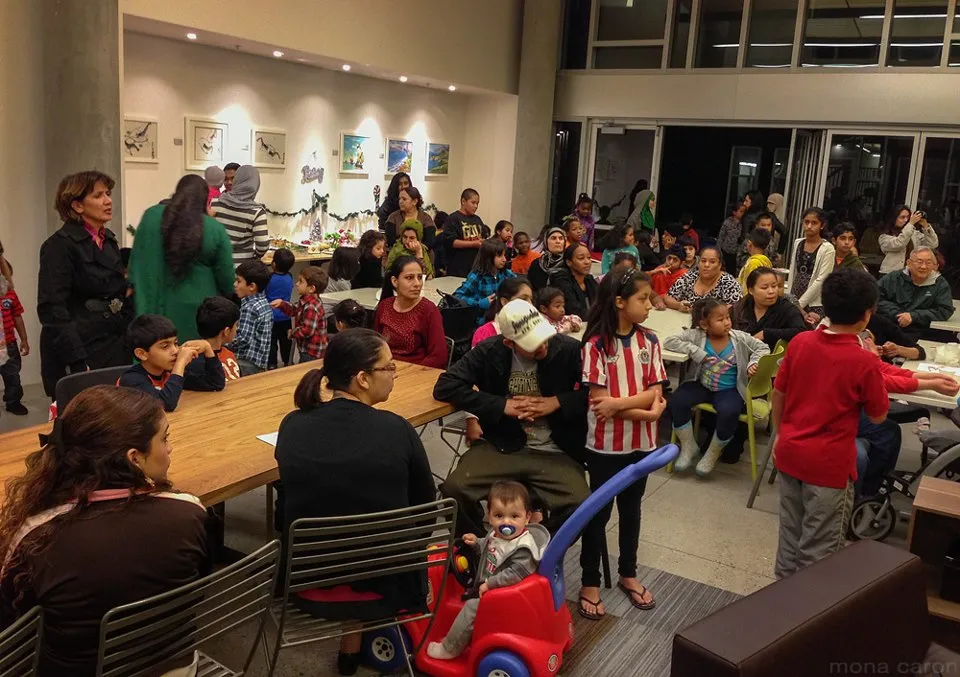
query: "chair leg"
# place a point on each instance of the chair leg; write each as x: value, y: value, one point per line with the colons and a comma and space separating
x: 673, y: 440
x: 605, y: 563
x: 406, y: 654
x: 752, y: 440
x: 269, y: 511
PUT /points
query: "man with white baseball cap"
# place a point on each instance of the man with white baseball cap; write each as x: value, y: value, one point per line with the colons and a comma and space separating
x: 525, y: 388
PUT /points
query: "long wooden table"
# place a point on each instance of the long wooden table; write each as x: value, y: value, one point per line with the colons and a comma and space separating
x: 216, y: 453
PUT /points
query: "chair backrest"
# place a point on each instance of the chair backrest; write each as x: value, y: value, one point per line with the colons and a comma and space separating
x: 20, y: 645
x: 761, y: 382
x: 137, y: 638
x: 451, y: 346
x: 459, y: 323
x: 70, y: 386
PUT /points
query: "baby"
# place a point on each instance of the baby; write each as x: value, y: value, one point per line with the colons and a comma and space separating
x: 508, y: 554
x: 552, y: 305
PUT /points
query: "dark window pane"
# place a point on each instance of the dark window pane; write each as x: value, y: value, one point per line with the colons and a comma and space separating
x: 576, y: 31
x: 916, y: 35
x: 718, y: 36
x: 772, y: 24
x: 626, y: 20
x: 627, y: 57
x: 954, y: 58
x: 681, y: 34
x: 940, y: 198
x: 956, y: 20
x: 842, y: 33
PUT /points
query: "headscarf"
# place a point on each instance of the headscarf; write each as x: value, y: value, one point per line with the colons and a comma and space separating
x: 552, y: 263
x: 246, y: 184
x: 399, y: 250
x: 777, y: 200
x: 647, y: 220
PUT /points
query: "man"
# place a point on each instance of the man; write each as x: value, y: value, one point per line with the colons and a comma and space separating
x: 532, y: 412
x: 229, y: 172
x: 917, y: 295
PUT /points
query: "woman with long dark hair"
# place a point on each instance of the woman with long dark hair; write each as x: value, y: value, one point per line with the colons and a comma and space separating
x: 180, y: 257
x: 903, y: 232
x: 410, y: 323
x: 579, y: 287
x: 391, y: 203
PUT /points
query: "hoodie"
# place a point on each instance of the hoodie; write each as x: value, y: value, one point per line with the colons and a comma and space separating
x: 851, y: 260
x: 507, y: 562
x: 926, y: 302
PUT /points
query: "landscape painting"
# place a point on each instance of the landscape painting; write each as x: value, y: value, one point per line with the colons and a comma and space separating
x: 399, y: 156
x: 438, y: 159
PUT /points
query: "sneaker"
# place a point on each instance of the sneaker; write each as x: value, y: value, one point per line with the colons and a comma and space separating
x: 17, y: 409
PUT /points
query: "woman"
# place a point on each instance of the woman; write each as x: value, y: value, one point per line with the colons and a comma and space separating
x: 374, y: 464
x: 411, y: 324
x: 754, y: 205
x: 813, y: 259
x: 244, y: 219
x: 643, y: 216
x: 764, y: 314
x: 775, y: 202
x: 706, y: 280
x: 83, y: 300
x: 180, y: 257
x: 411, y: 207
x: 400, y: 181
x: 903, y: 233
x: 93, y: 524
x: 553, y: 241
x: 575, y: 281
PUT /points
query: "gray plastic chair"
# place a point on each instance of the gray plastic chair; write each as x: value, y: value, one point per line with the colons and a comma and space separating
x: 330, y: 551
x: 136, y: 639
x: 73, y: 384
x: 20, y: 645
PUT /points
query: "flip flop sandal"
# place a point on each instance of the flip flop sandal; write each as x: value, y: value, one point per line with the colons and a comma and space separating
x: 586, y: 614
x: 633, y: 600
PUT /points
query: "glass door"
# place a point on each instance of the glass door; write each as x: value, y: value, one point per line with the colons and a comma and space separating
x: 937, y: 192
x: 802, y: 181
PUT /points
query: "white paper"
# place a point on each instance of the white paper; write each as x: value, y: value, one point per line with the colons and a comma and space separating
x: 269, y: 438
x: 938, y: 368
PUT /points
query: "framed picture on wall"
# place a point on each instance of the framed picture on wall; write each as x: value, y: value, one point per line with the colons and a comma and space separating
x: 399, y: 156
x: 205, y: 142
x: 140, y: 139
x: 269, y: 147
x: 438, y: 159
x: 354, y: 153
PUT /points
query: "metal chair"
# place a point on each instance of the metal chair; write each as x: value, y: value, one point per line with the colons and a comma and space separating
x: 137, y: 638
x: 330, y: 551
x: 72, y: 385
x: 20, y: 645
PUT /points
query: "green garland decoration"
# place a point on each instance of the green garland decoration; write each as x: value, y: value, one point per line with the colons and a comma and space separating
x: 320, y: 203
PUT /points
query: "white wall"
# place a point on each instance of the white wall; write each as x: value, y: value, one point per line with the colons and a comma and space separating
x: 489, y: 154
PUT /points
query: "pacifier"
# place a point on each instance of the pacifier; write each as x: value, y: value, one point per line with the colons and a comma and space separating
x: 506, y: 530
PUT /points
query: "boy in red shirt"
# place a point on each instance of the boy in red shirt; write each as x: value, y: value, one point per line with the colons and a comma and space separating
x: 816, y: 412
x: 12, y: 312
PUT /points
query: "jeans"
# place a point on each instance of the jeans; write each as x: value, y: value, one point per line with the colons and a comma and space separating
x: 10, y: 370
x: 248, y: 368
x: 728, y: 403
x: 878, y: 448
x: 279, y: 339
x: 304, y: 357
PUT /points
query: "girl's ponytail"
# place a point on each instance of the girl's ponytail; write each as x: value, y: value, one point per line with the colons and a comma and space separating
x: 307, y: 394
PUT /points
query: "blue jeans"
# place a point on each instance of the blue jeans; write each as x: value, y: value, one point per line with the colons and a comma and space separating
x: 878, y: 448
x: 306, y: 358
x: 728, y: 403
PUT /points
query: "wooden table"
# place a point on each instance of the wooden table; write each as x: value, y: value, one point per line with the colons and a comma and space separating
x: 216, y: 453
x: 953, y: 322
x: 302, y: 257
x: 665, y: 323
x: 370, y: 297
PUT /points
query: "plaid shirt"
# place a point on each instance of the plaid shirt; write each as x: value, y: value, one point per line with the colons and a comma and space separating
x: 310, y: 325
x: 477, y: 287
x: 254, y: 330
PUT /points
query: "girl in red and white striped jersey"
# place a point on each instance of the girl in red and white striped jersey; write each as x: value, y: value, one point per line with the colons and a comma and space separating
x: 623, y: 368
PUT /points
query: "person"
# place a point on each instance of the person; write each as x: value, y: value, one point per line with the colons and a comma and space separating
x: 553, y: 242
x: 903, y: 233
x: 213, y: 176
x: 523, y: 256
x: 503, y: 231
x: 552, y: 305
x: 647, y: 259
x: 663, y: 277
x: 511, y: 288
x: 344, y: 266
x: 349, y: 314
x: 463, y: 231
x: 583, y: 212
x: 371, y: 250
x: 309, y: 330
x: 217, y: 320
x: 640, y: 186
x: 376, y: 463
x: 579, y: 287
x: 573, y: 229
x: 391, y: 203
x: 690, y: 258
x: 725, y: 359
x: 917, y: 295
x: 764, y: 313
x: 252, y: 343
x: 280, y: 288
x: 845, y: 242
x: 13, y: 326
x: 642, y: 217
x: 244, y: 219
x: 728, y: 239
x: 686, y: 224
x: 410, y: 323
x: 775, y: 207
x: 410, y: 203
x: 756, y: 243
x: 765, y: 221
x: 439, y: 250
x: 813, y: 259
x: 83, y: 301
x: 620, y: 239
x: 622, y: 260
x: 229, y: 175
x: 707, y: 280
x: 93, y: 523
x: 815, y: 411
x: 479, y: 289
x: 411, y: 244
x: 531, y: 413
x: 669, y: 237
x: 623, y: 370
x: 509, y: 552
x: 754, y: 205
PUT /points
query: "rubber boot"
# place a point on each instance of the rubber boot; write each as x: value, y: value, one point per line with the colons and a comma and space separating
x: 688, y: 448
x: 709, y: 459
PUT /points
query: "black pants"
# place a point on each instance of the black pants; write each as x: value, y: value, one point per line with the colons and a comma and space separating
x: 10, y: 370
x: 279, y: 339
x: 601, y: 468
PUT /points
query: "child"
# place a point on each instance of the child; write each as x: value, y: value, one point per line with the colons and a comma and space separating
x: 508, y: 554
x: 573, y: 229
x: 217, y: 319
x: 845, y: 240
x: 584, y: 214
x: 623, y: 369
x: 523, y: 256
x: 463, y: 232
x: 343, y: 267
x: 479, y: 290
x: 371, y: 250
x: 670, y: 236
x: 619, y: 239
x: 161, y: 361
x: 756, y: 243
x: 664, y: 276
x: 815, y: 411
x: 550, y: 303
x: 13, y: 326
x: 728, y: 239
x: 410, y: 244
x: 349, y: 314
x: 511, y: 288
x: 310, y: 324
x: 725, y: 360
x: 690, y: 259
x: 214, y: 176
x: 764, y: 221
x: 686, y: 223
x: 252, y: 344
x: 623, y: 260
x: 280, y: 286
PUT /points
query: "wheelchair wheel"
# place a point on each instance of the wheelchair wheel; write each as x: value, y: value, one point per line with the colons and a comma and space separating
x: 873, y: 519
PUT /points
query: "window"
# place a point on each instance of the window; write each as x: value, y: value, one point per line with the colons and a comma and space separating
x: 778, y: 177
x: 954, y: 58
x: 627, y: 57
x: 939, y: 197
x: 631, y: 19
x: 842, y: 33
x: 718, y: 36
x: 772, y: 25
x: 916, y: 34
x: 744, y: 171
x: 681, y: 34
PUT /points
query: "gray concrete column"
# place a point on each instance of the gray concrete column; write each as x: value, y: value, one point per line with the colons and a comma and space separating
x: 81, y: 92
x: 542, y: 24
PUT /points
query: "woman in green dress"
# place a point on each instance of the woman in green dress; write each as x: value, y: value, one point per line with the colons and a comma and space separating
x: 180, y: 257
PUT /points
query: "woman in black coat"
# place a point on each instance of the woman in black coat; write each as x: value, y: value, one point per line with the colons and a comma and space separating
x: 82, y: 299
x: 579, y: 287
x: 764, y: 314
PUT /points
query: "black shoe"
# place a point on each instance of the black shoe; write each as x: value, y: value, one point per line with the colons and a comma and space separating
x: 348, y: 663
x: 17, y: 409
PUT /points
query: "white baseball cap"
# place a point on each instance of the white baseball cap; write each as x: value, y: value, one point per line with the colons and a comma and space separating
x: 524, y: 325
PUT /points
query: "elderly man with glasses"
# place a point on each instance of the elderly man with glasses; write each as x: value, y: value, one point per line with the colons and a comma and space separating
x: 917, y: 295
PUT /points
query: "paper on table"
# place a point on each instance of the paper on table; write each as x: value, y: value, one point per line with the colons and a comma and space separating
x: 270, y: 438
x: 938, y: 368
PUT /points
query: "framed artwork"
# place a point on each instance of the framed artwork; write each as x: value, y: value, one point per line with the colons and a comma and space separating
x: 354, y: 151
x: 140, y: 139
x: 269, y: 147
x: 438, y: 159
x: 205, y: 142
x: 399, y: 156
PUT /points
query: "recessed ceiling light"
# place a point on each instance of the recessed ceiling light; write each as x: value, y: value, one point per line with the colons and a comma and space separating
x: 452, y: 88
x: 345, y: 66
x: 403, y: 78
x: 277, y: 53
x: 191, y: 36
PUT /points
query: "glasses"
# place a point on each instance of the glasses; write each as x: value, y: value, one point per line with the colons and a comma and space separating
x: 392, y: 367
x: 922, y: 263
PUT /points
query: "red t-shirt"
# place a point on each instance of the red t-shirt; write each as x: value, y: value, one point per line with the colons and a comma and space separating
x: 826, y: 380
x: 231, y: 370
x: 11, y: 309
x: 662, y: 281
x: 414, y: 336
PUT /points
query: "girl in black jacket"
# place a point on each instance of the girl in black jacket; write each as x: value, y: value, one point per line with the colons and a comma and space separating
x: 764, y: 314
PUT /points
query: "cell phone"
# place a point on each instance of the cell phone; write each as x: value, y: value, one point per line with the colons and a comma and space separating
x: 922, y: 214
